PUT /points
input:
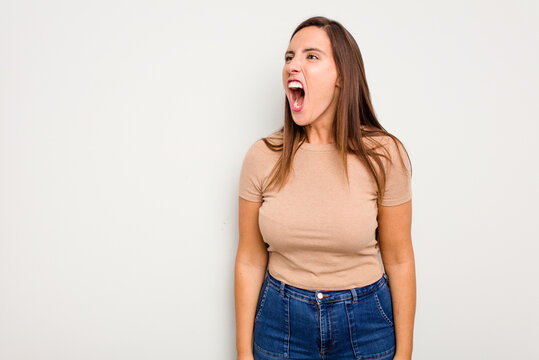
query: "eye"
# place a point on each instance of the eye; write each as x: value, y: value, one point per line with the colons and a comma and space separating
x: 287, y: 57
x: 312, y: 55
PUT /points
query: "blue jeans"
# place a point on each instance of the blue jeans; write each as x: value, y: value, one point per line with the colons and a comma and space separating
x: 294, y: 323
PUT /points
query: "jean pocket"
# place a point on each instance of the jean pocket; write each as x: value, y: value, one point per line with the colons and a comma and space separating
x: 261, y: 298
x: 370, y: 325
x: 271, y: 334
x: 384, y: 303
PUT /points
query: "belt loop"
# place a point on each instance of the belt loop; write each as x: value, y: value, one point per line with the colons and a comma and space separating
x: 354, y: 295
x: 281, y: 290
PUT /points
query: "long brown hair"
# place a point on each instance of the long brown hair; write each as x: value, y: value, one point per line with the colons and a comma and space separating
x: 355, y: 125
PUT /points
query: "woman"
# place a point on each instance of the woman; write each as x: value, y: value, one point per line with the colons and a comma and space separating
x: 317, y: 200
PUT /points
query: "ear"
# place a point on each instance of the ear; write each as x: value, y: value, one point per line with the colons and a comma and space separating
x: 338, y: 83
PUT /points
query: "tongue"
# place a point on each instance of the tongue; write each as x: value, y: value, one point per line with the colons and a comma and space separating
x: 298, y: 98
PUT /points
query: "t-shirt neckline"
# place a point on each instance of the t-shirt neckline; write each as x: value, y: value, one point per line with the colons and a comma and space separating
x: 318, y: 147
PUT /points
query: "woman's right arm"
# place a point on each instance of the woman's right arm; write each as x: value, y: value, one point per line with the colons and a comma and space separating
x: 250, y: 269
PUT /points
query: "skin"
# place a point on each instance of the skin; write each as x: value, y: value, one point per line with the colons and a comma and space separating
x: 250, y: 269
x: 395, y: 239
x: 318, y: 73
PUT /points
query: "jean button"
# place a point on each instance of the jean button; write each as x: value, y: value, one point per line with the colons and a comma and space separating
x: 320, y: 295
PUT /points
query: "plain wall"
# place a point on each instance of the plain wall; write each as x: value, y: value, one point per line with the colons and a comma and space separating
x: 123, y: 126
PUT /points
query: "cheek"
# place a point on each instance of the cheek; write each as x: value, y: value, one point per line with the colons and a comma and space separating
x: 322, y: 89
x: 323, y: 81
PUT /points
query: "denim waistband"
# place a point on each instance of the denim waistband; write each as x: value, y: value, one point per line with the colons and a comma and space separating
x: 327, y: 296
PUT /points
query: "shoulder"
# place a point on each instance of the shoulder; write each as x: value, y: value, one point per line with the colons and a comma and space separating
x: 390, y: 148
x: 275, y: 138
x: 383, y: 143
x: 260, y: 148
x: 398, y: 157
x: 260, y: 153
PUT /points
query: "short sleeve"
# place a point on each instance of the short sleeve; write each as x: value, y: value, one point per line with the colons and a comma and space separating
x: 398, y: 187
x: 251, y: 175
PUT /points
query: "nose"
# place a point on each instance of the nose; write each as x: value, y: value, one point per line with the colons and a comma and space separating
x: 294, y: 65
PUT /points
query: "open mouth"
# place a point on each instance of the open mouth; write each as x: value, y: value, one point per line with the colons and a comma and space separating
x: 297, y: 96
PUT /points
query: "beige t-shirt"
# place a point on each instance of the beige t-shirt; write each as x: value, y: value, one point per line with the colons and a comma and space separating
x: 321, y: 234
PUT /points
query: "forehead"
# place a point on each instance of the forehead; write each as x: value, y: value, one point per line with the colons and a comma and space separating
x: 310, y: 36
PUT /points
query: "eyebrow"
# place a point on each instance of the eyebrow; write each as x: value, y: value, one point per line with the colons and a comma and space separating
x: 306, y: 50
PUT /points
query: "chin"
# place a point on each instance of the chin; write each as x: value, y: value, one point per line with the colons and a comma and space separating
x: 302, y: 122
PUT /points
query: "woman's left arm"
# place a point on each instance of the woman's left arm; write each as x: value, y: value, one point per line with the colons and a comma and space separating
x: 395, y: 240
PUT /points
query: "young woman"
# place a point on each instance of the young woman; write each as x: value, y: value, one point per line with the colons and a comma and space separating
x: 317, y: 200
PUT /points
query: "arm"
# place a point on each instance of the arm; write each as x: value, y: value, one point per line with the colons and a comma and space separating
x: 394, y: 234
x: 250, y: 268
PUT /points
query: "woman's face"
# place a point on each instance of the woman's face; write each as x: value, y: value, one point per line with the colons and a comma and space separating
x: 309, y: 59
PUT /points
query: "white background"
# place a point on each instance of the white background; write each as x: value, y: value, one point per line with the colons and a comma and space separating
x: 123, y: 126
